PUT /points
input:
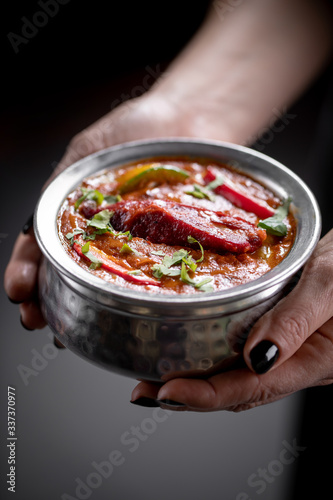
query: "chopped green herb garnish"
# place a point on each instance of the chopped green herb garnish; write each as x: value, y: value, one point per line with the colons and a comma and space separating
x: 200, y: 192
x: 95, y: 263
x: 95, y: 195
x: 85, y: 236
x: 127, y: 233
x: 89, y: 194
x: 216, y: 183
x: 159, y: 253
x: 205, y: 285
x: 190, y: 239
x: 136, y: 272
x: 160, y: 270
x: 110, y: 198
x: 187, y: 262
x: 101, y: 220
x: 275, y: 225
x: 127, y: 249
x: 200, y: 285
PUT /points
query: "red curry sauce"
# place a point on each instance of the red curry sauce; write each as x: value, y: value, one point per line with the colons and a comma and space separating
x: 173, y: 226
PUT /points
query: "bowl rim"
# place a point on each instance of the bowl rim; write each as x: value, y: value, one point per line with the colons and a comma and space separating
x: 55, y: 193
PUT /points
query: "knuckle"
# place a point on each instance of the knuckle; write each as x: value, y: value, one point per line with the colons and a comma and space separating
x: 262, y: 393
x: 294, y: 329
x: 320, y: 268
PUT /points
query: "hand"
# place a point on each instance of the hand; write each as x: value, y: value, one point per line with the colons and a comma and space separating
x: 144, y: 117
x: 290, y: 348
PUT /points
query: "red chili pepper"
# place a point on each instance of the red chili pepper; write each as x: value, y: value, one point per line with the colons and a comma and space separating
x: 240, y: 198
x: 111, y: 265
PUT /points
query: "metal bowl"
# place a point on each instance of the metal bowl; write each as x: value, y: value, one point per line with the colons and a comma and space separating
x: 156, y: 337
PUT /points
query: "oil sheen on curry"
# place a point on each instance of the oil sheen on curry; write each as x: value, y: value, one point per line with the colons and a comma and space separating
x: 176, y: 226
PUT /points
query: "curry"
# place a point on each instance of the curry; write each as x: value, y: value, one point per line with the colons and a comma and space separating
x: 176, y: 226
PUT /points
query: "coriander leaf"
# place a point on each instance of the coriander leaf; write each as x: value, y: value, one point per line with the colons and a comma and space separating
x: 85, y: 248
x: 85, y: 236
x: 200, y: 192
x: 159, y: 253
x: 160, y: 270
x: 70, y: 236
x: 176, y: 258
x: 200, y: 285
x: 127, y: 249
x: 101, y: 220
x: 89, y: 237
x: 190, y: 239
x: 110, y: 198
x: 190, y: 262
x: 89, y: 194
x: 216, y: 183
x: 184, y: 276
x: 95, y: 263
x: 136, y: 272
x: 127, y: 233
x: 275, y: 225
x: 186, y: 260
x: 205, y: 285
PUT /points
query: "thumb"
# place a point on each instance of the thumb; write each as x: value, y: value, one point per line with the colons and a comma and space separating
x: 281, y: 332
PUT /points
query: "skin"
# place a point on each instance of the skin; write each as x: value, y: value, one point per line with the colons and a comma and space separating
x: 243, y: 64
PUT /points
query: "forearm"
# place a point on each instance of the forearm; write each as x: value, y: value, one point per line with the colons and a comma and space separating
x: 245, y: 63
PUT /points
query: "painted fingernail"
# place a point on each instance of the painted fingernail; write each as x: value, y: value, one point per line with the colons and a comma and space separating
x: 170, y: 402
x: 28, y: 225
x: 25, y: 327
x: 57, y: 343
x: 146, y: 402
x: 263, y: 356
x: 14, y: 301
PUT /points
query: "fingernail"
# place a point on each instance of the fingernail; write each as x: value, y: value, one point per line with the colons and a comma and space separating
x: 28, y: 225
x: 146, y: 402
x: 263, y: 356
x: 25, y: 327
x: 170, y: 402
x: 14, y: 301
x: 57, y: 343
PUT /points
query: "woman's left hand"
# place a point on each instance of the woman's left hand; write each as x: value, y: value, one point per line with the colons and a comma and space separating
x: 290, y: 348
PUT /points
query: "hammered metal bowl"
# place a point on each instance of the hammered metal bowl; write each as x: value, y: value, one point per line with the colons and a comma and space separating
x: 149, y: 336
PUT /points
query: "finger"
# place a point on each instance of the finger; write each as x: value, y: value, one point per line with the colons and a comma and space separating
x: 146, y: 389
x: 145, y: 394
x: 241, y: 389
x: 31, y: 315
x: 20, y: 281
x: 281, y: 331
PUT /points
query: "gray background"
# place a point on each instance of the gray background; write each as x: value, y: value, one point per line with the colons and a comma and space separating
x: 71, y: 413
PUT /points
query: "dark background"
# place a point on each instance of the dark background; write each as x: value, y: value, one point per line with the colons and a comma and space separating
x: 71, y: 413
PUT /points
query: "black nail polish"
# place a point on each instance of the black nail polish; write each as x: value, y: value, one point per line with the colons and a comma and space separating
x: 56, y: 343
x: 146, y: 402
x: 28, y: 224
x: 263, y: 356
x: 14, y: 301
x: 25, y: 327
x: 171, y: 402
